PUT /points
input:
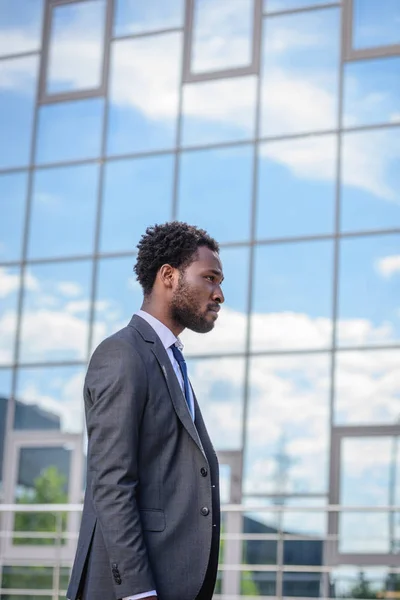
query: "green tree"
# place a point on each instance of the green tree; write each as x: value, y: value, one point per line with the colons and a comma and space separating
x: 362, y: 589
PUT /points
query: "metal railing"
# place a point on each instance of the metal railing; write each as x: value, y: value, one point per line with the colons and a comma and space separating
x: 41, y: 559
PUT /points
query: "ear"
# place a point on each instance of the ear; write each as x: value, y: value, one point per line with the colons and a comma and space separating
x: 167, y: 275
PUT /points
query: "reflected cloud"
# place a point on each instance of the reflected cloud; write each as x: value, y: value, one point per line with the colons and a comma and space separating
x: 388, y: 266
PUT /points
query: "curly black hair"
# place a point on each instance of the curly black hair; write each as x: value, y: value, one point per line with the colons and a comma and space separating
x: 174, y: 243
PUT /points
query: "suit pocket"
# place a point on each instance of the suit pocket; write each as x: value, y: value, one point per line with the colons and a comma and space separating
x: 153, y: 519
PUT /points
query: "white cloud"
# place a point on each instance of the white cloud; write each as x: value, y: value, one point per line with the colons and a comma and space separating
x: 70, y: 289
x: 9, y: 282
x: 388, y: 266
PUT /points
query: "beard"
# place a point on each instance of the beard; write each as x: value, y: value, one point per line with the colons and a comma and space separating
x: 186, y: 309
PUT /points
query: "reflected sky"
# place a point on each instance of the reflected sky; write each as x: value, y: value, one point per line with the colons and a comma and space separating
x: 77, y: 35
x: 18, y: 80
x: 296, y: 187
x: 367, y: 387
x: 12, y: 209
x: 5, y: 383
x: 300, y: 72
x: 56, y: 302
x: 292, y: 296
x: 375, y: 25
x: 69, y: 131
x: 370, y: 195
x: 57, y: 391
x: 63, y: 211
x: 144, y: 70
x: 134, y: 199
x: 276, y: 5
x: 215, y: 191
x: 369, y: 270
x: 222, y: 35
x: 20, y: 26
x: 132, y: 17
x: 288, y: 425
x: 9, y: 289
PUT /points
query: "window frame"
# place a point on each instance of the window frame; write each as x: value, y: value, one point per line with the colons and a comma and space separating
x: 44, y: 96
x: 253, y: 68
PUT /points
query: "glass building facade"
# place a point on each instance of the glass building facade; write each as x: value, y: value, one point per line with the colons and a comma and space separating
x: 275, y: 125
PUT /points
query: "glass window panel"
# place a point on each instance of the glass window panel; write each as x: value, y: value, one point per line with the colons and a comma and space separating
x: 365, y: 582
x: 13, y: 189
x: 9, y: 290
x: 5, y: 394
x: 219, y: 386
x: 118, y: 296
x: 300, y: 73
x: 312, y: 525
x: 29, y: 578
x: 69, y: 131
x: 375, y: 24
x: 57, y: 301
x: 63, y: 211
x: 76, y: 46
x: 18, y: 79
x: 292, y: 296
x: 144, y: 92
x: 369, y: 289
x: 137, y: 193
x: 366, y: 480
x: 133, y: 17
x: 50, y: 398
x: 225, y: 475
x: 257, y: 583
x: 212, y: 183
x: 277, y: 5
x: 305, y: 585
x: 367, y: 387
x: 296, y: 187
x: 372, y: 91
x: 219, y: 111
x: 222, y: 35
x: 288, y: 425
x: 229, y: 333
x: 370, y: 180
x: 20, y: 26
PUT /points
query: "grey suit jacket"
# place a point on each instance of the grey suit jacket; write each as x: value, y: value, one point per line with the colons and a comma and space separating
x: 151, y: 510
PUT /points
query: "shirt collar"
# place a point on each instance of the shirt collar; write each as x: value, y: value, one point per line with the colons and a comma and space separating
x: 166, y: 336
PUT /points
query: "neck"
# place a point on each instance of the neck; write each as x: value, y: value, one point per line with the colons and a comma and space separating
x: 162, y: 313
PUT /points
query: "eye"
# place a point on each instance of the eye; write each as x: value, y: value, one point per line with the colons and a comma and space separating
x: 210, y: 277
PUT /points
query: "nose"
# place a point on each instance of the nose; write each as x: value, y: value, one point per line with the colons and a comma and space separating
x: 218, y: 295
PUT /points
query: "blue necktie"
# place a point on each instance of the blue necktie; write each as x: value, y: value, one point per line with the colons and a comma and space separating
x: 182, y: 364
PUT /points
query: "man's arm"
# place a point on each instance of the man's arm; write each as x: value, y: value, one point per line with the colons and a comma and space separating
x: 117, y: 384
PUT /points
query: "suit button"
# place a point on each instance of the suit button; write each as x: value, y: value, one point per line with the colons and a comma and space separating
x: 204, y: 472
x: 118, y: 580
x: 205, y: 511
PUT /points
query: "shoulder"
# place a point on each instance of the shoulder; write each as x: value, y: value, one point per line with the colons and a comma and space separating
x: 124, y: 349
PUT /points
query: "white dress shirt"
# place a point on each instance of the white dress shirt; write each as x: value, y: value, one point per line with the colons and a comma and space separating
x: 168, y: 339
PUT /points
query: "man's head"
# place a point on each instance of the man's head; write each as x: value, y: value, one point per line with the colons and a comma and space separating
x: 179, y: 269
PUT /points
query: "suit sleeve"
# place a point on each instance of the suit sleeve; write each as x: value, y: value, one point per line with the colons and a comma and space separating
x: 116, y: 389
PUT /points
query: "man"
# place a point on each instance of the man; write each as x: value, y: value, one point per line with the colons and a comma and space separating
x: 150, y: 524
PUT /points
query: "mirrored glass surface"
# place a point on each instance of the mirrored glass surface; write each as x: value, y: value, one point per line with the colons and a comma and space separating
x: 292, y: 296
x: 257, y: 583
x: 5, y: 392
x: 370, y: 194
x: 32, y: 578
x: 371, y: 91
x: 367, y: 387
x: 118, y: 296
x: 50, y: 398
x: 375, y: 24
x: 20, y: 26
x: 69, y: 131
x: 288, y: 425
x: 144, y: 91
x: 278, y: 5
x: 9, y: 290
x: 366, y: 474
x: 75, y: 57
x: 137, y: 194
x: 215, y: 191
x: 13, y: 189
x: 296, y: 187
x: 219, y: 111
x: 300, y: 73
x: 133, y: 17
x: 219, y: 387
x: 57, y: 302
x: 229, y: 333
x: 347, y: 581
x: 63, y: 211
x: 222, y: 35
x: 369, y: 289
x: 18, y: 80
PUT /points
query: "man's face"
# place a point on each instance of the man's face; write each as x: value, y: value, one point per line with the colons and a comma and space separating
x: 198, y: 295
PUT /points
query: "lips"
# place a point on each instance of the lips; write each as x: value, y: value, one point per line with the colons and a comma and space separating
x: 214, y: 309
